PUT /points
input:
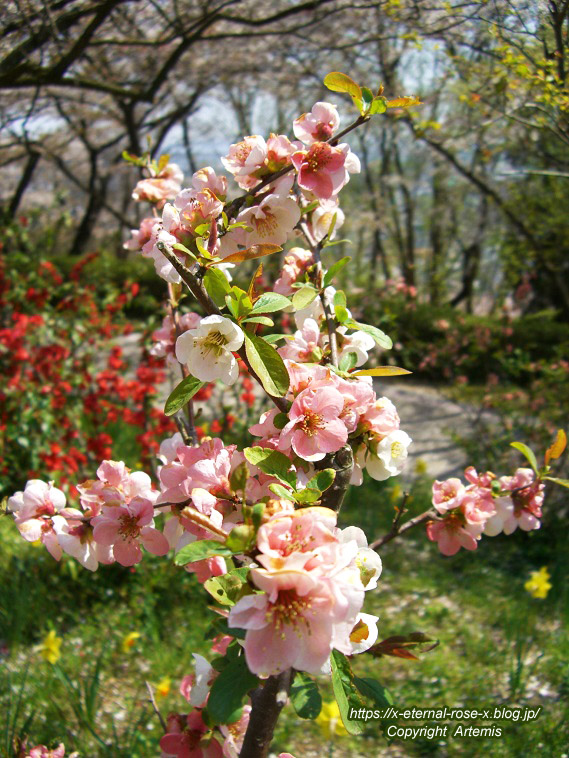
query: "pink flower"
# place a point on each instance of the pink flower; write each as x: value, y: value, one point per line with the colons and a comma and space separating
x: 141, y: 235
x: 382, y: 417
x: 271, y: 222
x: 322, y: 216
x: 244, y: 159
x: 125, y: 527
x: 185, y: 738
x: 317, y: 126
x: 36, y: 513
x: 206, y: 178
x: 161, y: 187
x: 295, y: 263
x: 207, y: 568
x: 195, y: 207
x: 235, y: 734
x: 323, y: 169
x: 40, y: 751
x: 304, y: 344
x: 451, y: 534
x: 165, y: 337
x: 448, y: 494
x: 315, y: 428
x: 292, y: 624
x: 520, y: 507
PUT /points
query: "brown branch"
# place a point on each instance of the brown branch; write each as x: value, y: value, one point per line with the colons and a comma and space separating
x: 399, y: 530
x: 267, y: 702
x: 155, y: 708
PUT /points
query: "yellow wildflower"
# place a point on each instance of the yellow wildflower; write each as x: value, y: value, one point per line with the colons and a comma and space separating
x: 50, y: 649
x: 538, y: 585
x: 330, y: 721
x: 130, y: 641
x: 163, y: 687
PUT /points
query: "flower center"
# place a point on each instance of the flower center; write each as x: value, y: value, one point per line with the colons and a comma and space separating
x: 267, y: 225
x: 311, y: 423
x: 397, y: 450
x: 290, y: 609
x: 213, y: 342
x: 129, y: 528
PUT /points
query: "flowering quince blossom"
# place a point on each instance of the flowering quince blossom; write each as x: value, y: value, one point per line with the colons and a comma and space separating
x: 389, y: 457
x: 315, y: 428
x: 187, y: 737
x: 159, y: 187
x: 244, y: 159
x: 322, y: 217
x: 295, y: 263
x: 304, y: 346
x: 323, y: 169
x: 235, y: 734
x: 317, y: 126
x: 206, y: 178
x: 271, y: 222
x: 36, y: 514
x: 141, y: 235
x: 125, y: 527
x: 41, y: 751
x: 521, y: 507
x: 312, y: 594
x: 207, y: 350
x: 195, y: 687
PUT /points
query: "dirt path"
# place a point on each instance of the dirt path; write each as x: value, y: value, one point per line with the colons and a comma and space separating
x: 429, y: 418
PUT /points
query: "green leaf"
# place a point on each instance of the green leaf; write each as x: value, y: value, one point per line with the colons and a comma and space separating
x: 270, y: 338
x: 229, y: 588
x: 182, y: 394
x: 310, y: 207
x: 304, y: 696
x: 380, y: 337
x: 268, y: 365
x: 323, y: 479
x: 562, y: 482
x: 342, y: 314
x: 373, y: 690
x: 240, y: 538
x: 281, y: 492
x: 259, y: 320
x: 280, y: 420
x: 200, y: 550
x: 527, y: 452
x: 307, y: 496
x: 216, y: 285
x: 340, y: 298
x: 270, y: 302
x: 335, y: 269
x: 238, y: 478
x: 348, y: 361
x: 379, y: 105
x: 228, y: 691
x: 345, y: 692
x: 367, y: 97
x: 338, y: 82
x: 238, y: 302
x: 271, y: 462
x: 303, y: 297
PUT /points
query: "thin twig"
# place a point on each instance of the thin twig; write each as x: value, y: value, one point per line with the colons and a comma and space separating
x: 402, y: 529
x: 155, y: 707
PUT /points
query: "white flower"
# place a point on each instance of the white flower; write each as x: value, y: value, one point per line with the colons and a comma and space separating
x: 205, y: 675
x: 168, y: 448
x: 367, y: 560
x: 391, y: 456
x: 207, y: 350
x: 322, y: 218
x: 358, y: 342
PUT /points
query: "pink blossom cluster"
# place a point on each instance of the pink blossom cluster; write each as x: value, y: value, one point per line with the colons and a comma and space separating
x: 252, y: 159
x: 312, y: 592
x: 295, y: 263
x: 329, y: 411
x: 160, y: 186
x: 485, y: 506
x: 115, y: 520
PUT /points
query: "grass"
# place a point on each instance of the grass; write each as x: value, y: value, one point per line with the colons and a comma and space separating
x: 498, y: 645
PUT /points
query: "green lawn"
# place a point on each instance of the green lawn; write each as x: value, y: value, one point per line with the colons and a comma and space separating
x: 498, y: 645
